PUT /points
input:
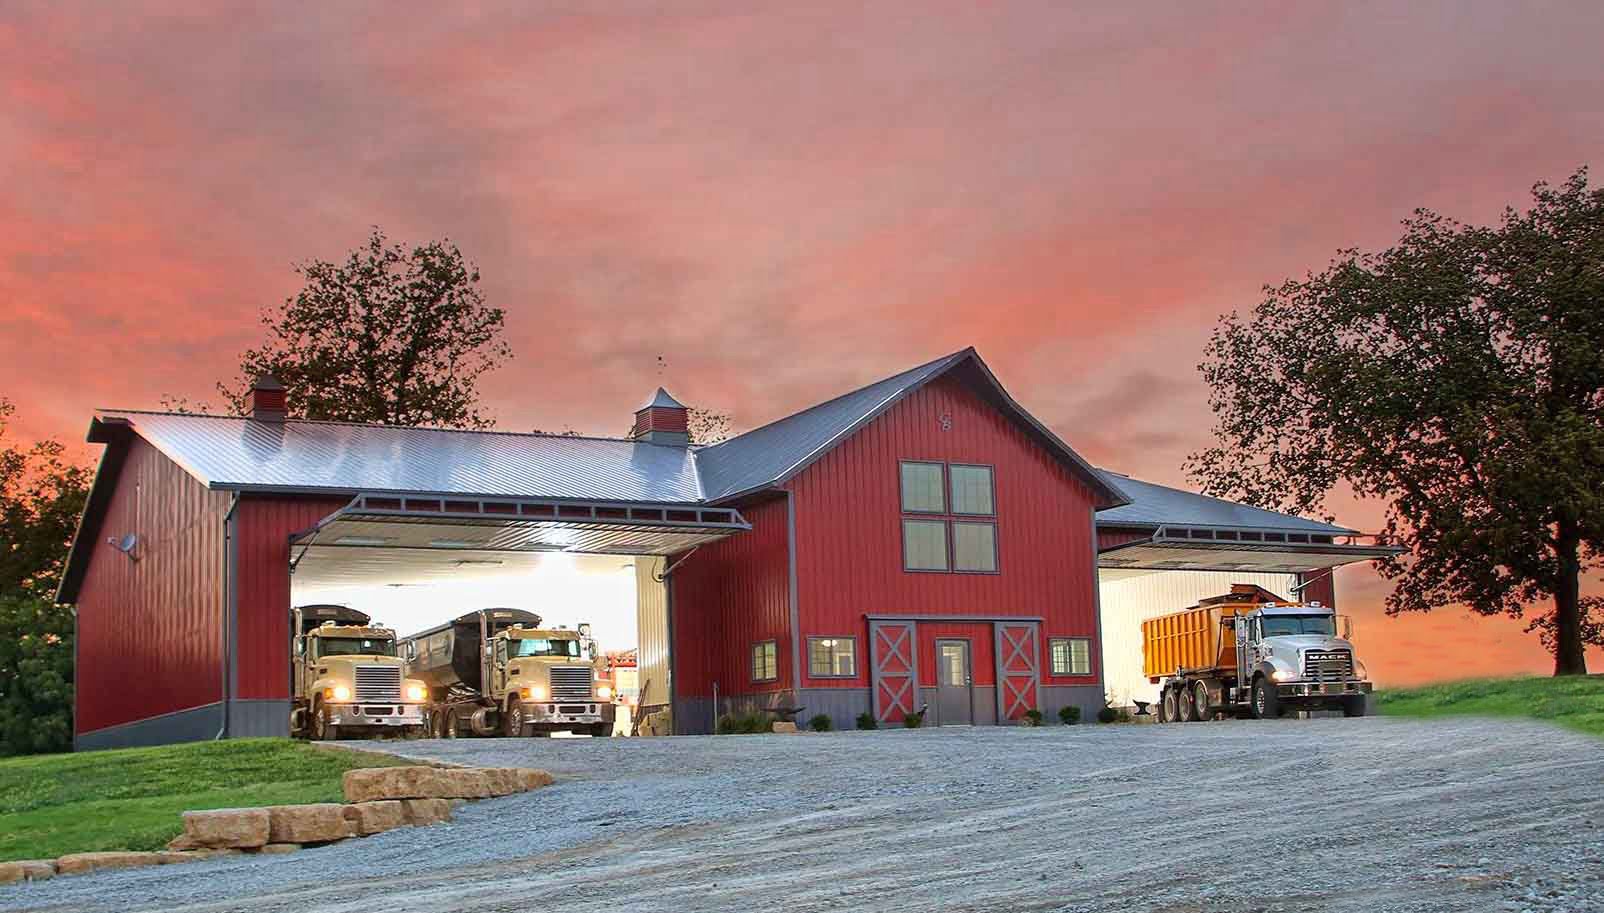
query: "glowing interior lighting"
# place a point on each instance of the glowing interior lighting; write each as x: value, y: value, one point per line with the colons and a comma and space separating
x: 562, y: 537
x: 450, y: 543
x: 361, y: 540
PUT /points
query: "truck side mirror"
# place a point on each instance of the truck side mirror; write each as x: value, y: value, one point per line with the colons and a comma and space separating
x: 1347, y: 627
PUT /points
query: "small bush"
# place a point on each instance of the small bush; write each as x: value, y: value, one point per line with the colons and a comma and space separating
x: 913, y: 720
x: 1033, y: 717
x: 745, y: 723
x: 821, y: 723
x: 867, y: 721
x: 1107, y: 715
x: 1122, y: 715
x: 1069, y: 716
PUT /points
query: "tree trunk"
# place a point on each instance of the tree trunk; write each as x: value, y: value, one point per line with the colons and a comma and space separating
x: 1569, y: 658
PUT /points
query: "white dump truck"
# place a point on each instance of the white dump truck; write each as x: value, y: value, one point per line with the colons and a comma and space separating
x: 346, y: 679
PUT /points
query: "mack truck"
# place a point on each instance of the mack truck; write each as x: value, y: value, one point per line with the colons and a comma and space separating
x: 1251, y: 653
x: 497, y: 671
x: 346, y: 679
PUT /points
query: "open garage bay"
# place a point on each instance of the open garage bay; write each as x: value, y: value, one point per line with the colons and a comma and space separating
x: 1330, y: 814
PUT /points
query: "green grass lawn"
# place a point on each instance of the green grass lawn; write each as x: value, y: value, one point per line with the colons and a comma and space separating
x: 1575, y: 702
x: 130, y: 799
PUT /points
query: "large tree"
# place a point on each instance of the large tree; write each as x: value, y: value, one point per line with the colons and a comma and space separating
x: 1459, y: 376
x: 392, y: 335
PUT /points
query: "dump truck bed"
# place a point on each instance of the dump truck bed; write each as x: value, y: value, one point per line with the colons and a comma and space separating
x: 1202, y: 637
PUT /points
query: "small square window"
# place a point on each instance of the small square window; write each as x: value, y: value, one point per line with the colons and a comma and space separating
x: 832, y: 657
x: 974, y: 547
x: 922, y: 489
x: 924, y: 545
x: 971, y: 490
x: 1071, y: 655
x: 765, y: 665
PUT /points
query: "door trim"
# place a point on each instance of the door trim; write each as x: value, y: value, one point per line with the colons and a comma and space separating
x: 969, y: 674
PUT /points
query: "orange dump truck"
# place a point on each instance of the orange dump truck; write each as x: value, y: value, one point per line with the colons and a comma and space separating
x: 1250, y: 652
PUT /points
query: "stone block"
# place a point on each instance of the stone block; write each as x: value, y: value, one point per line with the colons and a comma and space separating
x: 425, y: 811
x: 461, y: 783
x: 531, y: 779
x: 785, y: 727
x: 317, y: 823
x: 227, y: 827
x: 275, y: 849
x: 373, y: 817
x: 368, y: 784
x: 27, y: 870
x: 79, y: 863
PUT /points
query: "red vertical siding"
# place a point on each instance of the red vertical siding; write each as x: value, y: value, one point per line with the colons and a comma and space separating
x: 1108, y: 538
x: 263, y: 526
x: 982, y: 661
x: 150, y: 631
x: 728, y: 596
x: 849, y: 533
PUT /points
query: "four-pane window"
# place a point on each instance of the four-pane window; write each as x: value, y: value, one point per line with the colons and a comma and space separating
x: 765, y: 664
x: 955, y: 541
x: 832, y: 657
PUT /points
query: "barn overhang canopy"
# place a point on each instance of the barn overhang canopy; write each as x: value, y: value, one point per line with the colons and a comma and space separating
x: 389, y: 540
x: 1218, y: 549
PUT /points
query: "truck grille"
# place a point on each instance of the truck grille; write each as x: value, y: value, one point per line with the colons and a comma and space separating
x: 378, y: 683
x: 1328, y: 665
x: 571, y: 683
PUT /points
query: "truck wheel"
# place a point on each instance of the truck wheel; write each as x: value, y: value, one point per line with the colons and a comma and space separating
x: 1353, y: 706
x: 448, y: 723
x: 512, y: 719
x: 1166, y: 706
x: 322, y: 729
x: 1266, y: 703
x: 1202, y: 709
x: 1186, y: 713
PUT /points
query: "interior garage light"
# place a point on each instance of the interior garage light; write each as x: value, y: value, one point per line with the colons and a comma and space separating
x: 563, y: 537
x: 451, y: 543
x: 361, y: 540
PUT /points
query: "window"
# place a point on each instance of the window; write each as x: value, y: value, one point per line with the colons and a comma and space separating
x: 355, y: 646
x: 1071, y: 655
x: 974, y: 547
x: 832, y: 657
x: 922, y: 489
x: 765, y: 667
x: 924, y: 545
x: 971, y: 490
x: 542, y: 646
x: 951, y: 542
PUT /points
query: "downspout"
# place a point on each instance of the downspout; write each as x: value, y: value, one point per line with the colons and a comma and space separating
x: 230, y: 594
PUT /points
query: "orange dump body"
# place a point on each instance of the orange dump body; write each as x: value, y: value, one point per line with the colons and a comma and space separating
x: 1199, y: 638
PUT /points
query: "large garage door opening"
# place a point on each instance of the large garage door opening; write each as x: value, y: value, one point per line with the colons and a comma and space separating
x: 496, y: 604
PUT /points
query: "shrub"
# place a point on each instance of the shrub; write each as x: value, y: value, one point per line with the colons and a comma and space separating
x: 1122, y: 715
x: 1107, y: 715
x: 821, y: 723
x: 913, y: 720
x: 1069, y: 715
x: 1033, y: 717
x: 867, y: 721
x: 745, y: 723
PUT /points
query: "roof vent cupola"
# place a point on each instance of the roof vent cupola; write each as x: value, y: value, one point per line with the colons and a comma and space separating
x: 663, y: 420
x: 266, y: 399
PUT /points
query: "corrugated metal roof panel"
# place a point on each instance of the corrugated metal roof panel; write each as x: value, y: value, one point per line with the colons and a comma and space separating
x: 1160, y: 505
x: 765, y: 454
x: 229, y: 452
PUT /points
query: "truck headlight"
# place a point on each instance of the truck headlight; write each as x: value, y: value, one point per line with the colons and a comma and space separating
x: 535, y: 693
x: 415, y: 692
x: 340, y: 693
x: 604, y: 692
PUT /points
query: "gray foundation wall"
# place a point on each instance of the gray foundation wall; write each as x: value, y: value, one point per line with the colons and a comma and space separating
x: 197, y: 724
x: 1089, y: 698
x: 252, y: 718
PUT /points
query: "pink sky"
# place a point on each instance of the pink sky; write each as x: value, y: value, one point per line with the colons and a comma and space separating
x: 785, y: 200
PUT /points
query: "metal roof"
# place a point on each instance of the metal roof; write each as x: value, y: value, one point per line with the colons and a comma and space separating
x: 246, y: 455
x: 1160, y: 505
x: 662, y: 400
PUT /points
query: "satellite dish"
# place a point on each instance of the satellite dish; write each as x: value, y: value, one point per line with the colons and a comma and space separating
x: 126, y: 544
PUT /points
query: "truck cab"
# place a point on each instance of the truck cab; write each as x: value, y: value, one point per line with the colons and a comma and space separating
x: 347, y: 678
x: 553, y: 672
x: 1290, y: 654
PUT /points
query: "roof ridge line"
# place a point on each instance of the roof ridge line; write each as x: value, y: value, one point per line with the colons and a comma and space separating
x: 324, y: 421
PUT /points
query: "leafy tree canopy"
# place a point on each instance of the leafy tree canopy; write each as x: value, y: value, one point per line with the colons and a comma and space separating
x: 41, y: 496
x: 1459, y: 375
x: 35, y: 675
x: 391, y: 335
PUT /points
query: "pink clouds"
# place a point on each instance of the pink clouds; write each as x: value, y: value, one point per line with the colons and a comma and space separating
x: 786, y: 200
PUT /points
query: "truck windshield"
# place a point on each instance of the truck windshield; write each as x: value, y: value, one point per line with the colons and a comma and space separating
x: 541, y: 646
x: 354, y: 646
x: 1276, y: 625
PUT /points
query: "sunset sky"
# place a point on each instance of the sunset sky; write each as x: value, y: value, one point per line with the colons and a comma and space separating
x: 785, y: 200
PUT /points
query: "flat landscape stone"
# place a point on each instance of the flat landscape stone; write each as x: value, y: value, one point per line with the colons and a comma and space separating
x: 227, y: 827
x: 531, y: 779
x: 27, y: 870
x: 79, y: 863
x: 502, y: 781
x: 462, y: 783
x: 316, y: 823
x: 367, y: 818
x: 425, y: 811
x: 276, y: 849
x: 367, y: 784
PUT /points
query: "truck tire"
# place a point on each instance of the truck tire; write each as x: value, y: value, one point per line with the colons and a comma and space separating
x: 322, y: 729
x: 448, y: 723
x: 1166, y: 706
x: 1264, y: 702
x: 1353, y: 706
x: 512, y: 719
x: 1185, y: 712
x: 1202, y: 707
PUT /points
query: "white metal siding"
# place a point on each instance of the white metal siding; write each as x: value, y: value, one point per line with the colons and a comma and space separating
x: 1131, y: 597
x: 651, y: 612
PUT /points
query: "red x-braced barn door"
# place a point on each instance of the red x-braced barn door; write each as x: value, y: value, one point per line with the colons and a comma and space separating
x: 894, y: 667
x: 1018, y: 669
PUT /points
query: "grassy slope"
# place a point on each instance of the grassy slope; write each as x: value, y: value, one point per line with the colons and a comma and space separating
x: 130, y: 798
x: 1575, y: 702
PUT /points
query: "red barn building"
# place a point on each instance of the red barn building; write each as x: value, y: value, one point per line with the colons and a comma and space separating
x: 920, y: 543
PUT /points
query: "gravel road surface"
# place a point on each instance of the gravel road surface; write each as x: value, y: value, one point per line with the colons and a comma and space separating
x: 1370, y: 814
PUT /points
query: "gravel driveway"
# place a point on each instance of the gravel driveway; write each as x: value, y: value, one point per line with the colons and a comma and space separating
x: 1369, y: 814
